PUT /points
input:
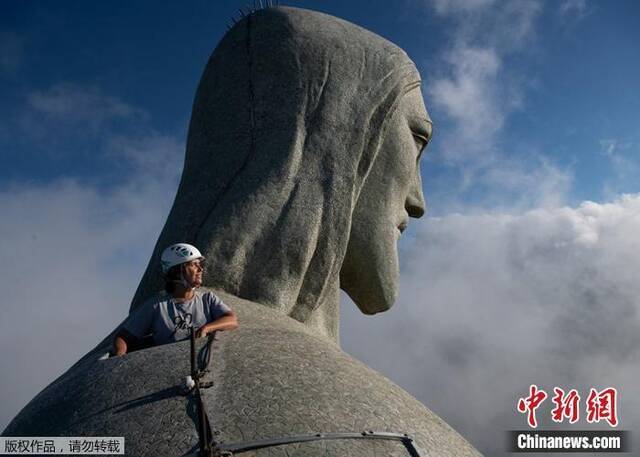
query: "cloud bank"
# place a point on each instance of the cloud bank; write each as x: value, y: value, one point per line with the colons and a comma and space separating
x: 74, y: 249
x: 491, y: 303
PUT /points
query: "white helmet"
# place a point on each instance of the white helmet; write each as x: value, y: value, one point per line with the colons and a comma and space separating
x: 177, y: 254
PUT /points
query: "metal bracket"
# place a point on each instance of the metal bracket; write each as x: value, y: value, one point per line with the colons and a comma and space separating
x: 198, y: 370
x: 210, y: 448
x: 233, y: 448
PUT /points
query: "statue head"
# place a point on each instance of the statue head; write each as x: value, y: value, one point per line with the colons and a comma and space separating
x: 391, y: 194
x: 301, y: 168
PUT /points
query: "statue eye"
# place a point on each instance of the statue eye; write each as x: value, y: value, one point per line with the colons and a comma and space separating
x: 421, y: 142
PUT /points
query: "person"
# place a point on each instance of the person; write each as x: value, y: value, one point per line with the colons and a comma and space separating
x: 169, y: 316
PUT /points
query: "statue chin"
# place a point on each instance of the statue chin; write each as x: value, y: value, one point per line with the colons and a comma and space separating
x: 372, y: 297
x: 370, y: 274
x: 370, y: 307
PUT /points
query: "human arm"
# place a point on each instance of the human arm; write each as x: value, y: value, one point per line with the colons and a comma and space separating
x: 120, y: 346
x: 133, y: 330
x: 121, y: 342
x: 227, y: 321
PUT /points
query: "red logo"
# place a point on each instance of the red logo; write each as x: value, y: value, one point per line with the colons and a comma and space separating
x: 531, y: 403
x: 601, y: 405
x: 566, y: 405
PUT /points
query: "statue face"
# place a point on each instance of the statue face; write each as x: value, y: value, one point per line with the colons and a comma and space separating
x: 392, y: 193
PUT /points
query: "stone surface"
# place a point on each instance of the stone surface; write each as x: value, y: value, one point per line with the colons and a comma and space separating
x: 272, y: 377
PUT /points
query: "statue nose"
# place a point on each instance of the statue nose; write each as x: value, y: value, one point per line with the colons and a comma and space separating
x: 415, y: 203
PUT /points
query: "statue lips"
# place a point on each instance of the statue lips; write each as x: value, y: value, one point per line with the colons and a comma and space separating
x: 403, y: 225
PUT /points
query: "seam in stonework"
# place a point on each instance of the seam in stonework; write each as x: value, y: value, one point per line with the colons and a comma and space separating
x: 252, y: 147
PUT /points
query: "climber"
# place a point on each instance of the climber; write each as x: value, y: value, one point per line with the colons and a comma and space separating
x: 169, y: 315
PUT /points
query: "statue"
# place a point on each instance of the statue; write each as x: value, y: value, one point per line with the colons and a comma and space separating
x: 301, y: 172
x: 293, y: 113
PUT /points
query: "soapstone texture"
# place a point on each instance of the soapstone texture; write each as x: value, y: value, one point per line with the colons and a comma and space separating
x: 299, y: 126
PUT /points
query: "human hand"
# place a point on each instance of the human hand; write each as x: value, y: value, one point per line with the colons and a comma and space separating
x: 202, y: 331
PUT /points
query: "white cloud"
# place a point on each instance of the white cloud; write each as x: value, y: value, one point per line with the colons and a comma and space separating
x: 80, y: 125
x: 492, y: 302
x: 533, y: 184
x: 74, y: 251
x: 475, y: 90
x: 457, y: 6
x: 74, y: 104
x: 471, y: 96
x: 153, y: 153
x: 573, y: 7
x: 571, y: 13
x: 625, y: 166
x: 506, y: 26
x: 514, y: 26
x: 73, y: 256
x: 618, y: 154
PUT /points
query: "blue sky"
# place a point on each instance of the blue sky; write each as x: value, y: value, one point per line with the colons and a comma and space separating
x: 529, y: 247
x: 562, y: 90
